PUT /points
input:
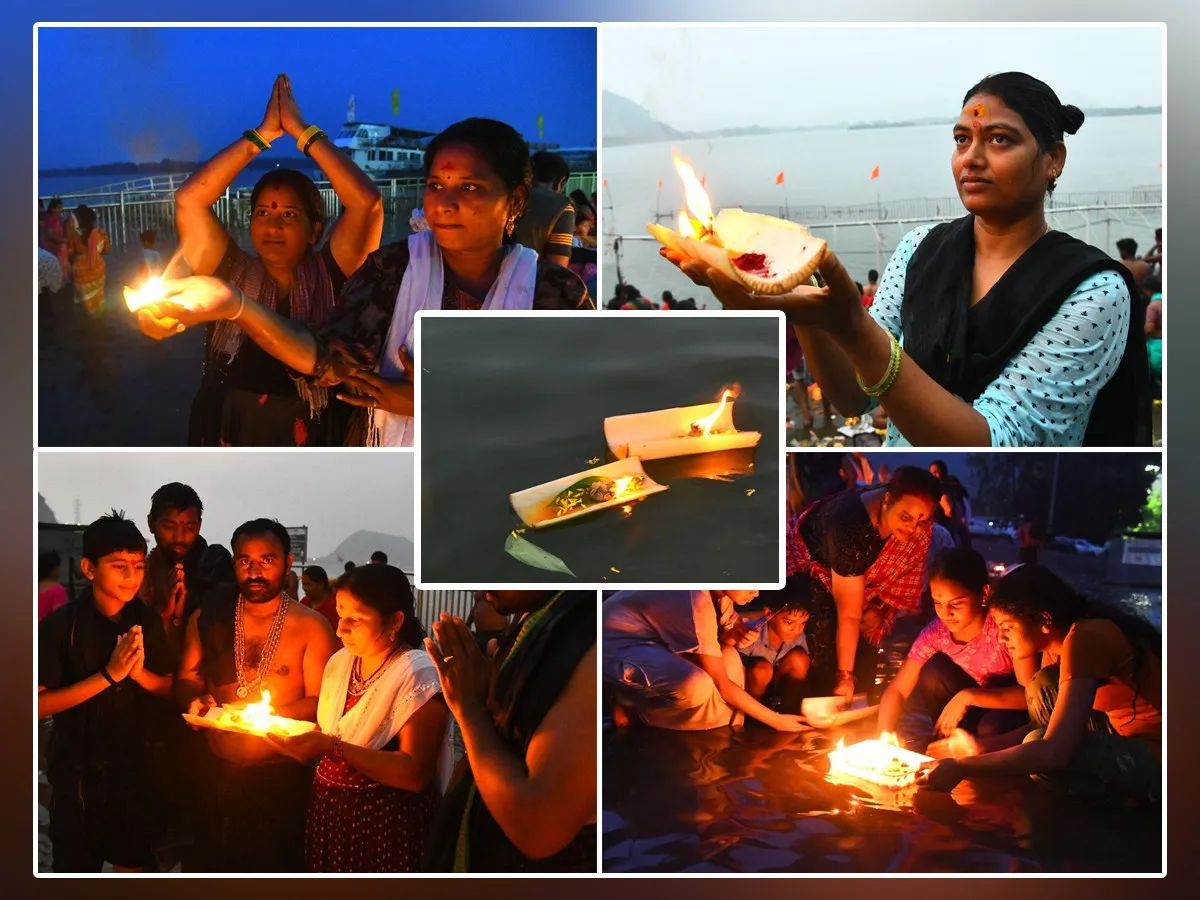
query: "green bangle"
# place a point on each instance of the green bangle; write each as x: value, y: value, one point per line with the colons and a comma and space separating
x: 889, y: 377
x: 256, y: 139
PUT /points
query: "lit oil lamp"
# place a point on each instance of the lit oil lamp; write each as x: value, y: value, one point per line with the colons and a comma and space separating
x: 880, y: 761
x: 615, y: 484
x: 765, y: 254
x: 681, y: 431
x: 152, y: 291
x: 253, y: 718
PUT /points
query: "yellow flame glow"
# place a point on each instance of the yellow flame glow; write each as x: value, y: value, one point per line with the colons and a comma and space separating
x: 150, y: 292
x: 686, y: 228
x: 707, y: 422
x: 621, y: 485
x: 259, y: 715
x: 696, y: 197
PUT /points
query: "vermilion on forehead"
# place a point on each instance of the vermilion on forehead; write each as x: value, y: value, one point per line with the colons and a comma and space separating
x: 459, y: 161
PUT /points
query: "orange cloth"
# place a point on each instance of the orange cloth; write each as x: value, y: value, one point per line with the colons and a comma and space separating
x: 1097, y: 648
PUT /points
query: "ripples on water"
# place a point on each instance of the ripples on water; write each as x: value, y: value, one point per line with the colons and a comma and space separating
x: 511, y: 403
x: 758, y: 801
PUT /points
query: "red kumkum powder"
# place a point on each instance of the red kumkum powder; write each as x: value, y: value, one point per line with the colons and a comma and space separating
x: 753, y: 264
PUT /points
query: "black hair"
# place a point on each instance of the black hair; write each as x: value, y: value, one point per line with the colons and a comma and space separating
x: 909, y: 481
x: 872, y: 275
x: 1127, y: 245
x: 112, y: 533
x: 1030, y: 591
x: 307, y: 192
x: 1046, y: 117
x: 175, y: 496
x: 386, y: 590
x: 261, y: 527
x: 1152, y: 284
x: 349, y: 566
x: 317, y: 574
x: 379, y: 557
x: 54, y: 201
x: 86, y: 217
x: 962, y: 565
x: 48, y: 561
x: 858, y: 284
x: 940, y: 464
x: 548, y: 167
x: 798, y: 592
x: 500, y: 145
x: 147, y: 236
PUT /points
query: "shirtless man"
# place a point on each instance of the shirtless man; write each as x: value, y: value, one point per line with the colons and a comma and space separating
x: 241, y: 643
x: 1127, y: 247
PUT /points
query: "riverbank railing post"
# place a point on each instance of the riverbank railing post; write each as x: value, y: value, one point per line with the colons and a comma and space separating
x: 124, y: 235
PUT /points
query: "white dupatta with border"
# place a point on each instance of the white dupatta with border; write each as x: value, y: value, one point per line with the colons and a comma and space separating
x: 421, y: 288
x: 407, y: 683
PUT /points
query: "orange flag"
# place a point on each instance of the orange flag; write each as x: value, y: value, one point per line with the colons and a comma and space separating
x: 702, y: 177
x: 660, y: 184
x: 779, y: 178
x: 875, y: 173
x: 605, y: 184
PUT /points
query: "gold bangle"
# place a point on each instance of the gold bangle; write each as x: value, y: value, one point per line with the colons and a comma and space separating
x: 307, y: 137
x: 253, y: 136
x: 889, y: 377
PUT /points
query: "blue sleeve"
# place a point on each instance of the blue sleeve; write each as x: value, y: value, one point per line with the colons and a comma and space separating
x: 1044, y: 396
x: 885, y: 310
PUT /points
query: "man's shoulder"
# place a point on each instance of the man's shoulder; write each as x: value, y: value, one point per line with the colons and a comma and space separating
x: 308, y: 617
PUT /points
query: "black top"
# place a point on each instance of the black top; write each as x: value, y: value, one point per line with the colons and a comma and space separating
x: 75, y: 641
x: 965, y: 347
x: 216, y: 635
x: 840, y: 535
x: 254, y: 369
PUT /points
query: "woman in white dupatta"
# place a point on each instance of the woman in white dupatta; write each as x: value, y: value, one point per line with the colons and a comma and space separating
x: 384, y: 738
x: 477, y: 182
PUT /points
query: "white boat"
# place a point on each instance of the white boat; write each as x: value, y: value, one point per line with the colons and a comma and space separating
x: 383, y: 151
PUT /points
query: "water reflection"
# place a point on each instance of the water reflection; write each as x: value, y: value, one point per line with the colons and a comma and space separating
x: 760, y: 801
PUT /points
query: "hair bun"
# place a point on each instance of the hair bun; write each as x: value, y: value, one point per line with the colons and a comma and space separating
x: 1071, y: 117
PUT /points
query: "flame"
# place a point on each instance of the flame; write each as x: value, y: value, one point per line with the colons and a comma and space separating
x: 707, y: 422
x: 621, y: 485
x: 696, y: 197
x: 259, y: 715
x: 889, y: 737
x: 881, y: 761
x: 814, y: 392
x: 150, y: 292
x: 687, y: 227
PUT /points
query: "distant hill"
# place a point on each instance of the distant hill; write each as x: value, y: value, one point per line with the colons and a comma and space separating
x: 45, y: 513
x: 625, y: 122
x: 359, y: 547
x: 174, y: 166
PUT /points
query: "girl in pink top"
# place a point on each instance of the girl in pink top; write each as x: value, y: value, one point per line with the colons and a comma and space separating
x: 957, y: 665
x: 51, y: 593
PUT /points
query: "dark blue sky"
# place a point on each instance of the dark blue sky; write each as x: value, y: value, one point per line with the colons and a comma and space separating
x: 117, y: 94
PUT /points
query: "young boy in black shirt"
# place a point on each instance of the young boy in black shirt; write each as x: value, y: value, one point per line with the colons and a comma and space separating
x: 97, y: 670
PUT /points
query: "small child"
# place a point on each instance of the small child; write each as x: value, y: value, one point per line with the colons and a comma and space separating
x: 151, y: 259
x: 779, y: 658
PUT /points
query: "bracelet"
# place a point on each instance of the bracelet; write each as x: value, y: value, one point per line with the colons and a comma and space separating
x: 889, y: 377
x: 107, y: 677
x: 337, y: 749
x: 845, y: 675
x: 308, y: 138
x: 256, y: 139
x: 241, y: 305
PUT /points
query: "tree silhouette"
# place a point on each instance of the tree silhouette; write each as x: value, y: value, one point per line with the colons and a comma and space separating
x: 1098, y: 496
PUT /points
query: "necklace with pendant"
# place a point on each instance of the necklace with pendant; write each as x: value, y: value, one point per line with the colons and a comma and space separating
x: 246, y: 685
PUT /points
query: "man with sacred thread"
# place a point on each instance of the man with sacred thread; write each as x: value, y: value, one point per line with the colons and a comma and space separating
x: 241, y: 642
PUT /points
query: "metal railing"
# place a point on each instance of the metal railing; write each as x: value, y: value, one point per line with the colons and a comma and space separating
x: 431, y: 604
x: 126, y: 209
x: 873, y: 230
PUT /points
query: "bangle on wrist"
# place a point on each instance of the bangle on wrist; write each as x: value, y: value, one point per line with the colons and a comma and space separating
x: 845, y: 675
x: 337, y: 748
x: 241, y: 304
x: 890, y: 374
x: 308, y: 137
x: 104, y: 671
x: 253, y: 136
